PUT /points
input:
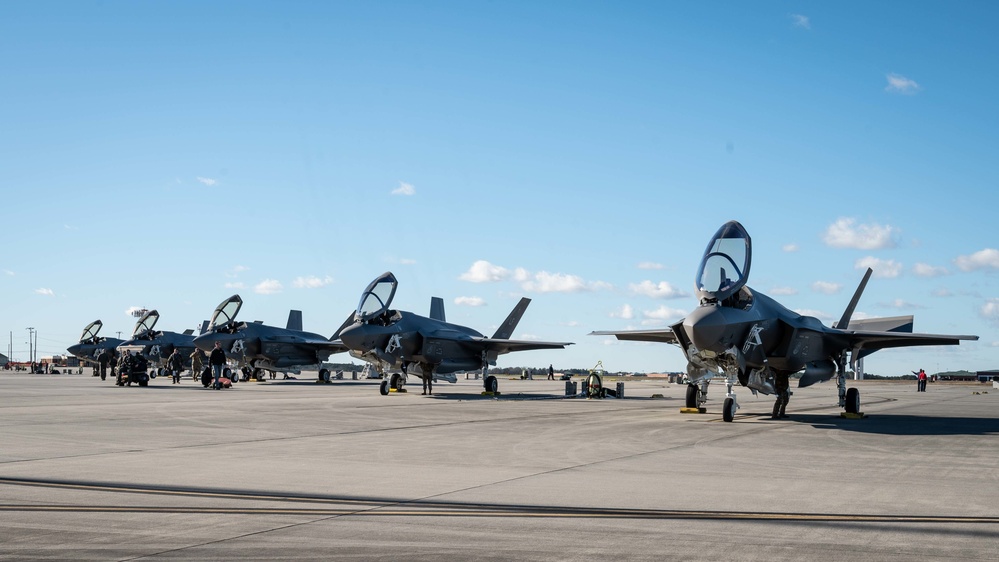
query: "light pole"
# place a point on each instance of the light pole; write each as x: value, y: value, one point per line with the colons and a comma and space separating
x: 31, y: 356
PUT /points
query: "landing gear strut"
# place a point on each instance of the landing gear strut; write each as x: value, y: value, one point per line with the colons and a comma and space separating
x: 697, y: 394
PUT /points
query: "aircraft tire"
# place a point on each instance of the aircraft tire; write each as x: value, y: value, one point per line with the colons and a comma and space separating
x: 324, y: 375
x: 691, y: 395
x: 396, y: 381
x: 491, y: 384
x: 852, y: 401
x: 152, y: 373
x: 728, y: 413
x: 383, y: 388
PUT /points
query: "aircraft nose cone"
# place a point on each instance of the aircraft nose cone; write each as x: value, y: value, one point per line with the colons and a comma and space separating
x: 206, y: 342
x: 74, y: 349
x: 352, y: 336
x: 706, y: 328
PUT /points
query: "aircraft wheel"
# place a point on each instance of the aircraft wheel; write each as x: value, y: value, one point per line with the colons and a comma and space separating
x: 728, y: 413
x: 691, y: 395
x: 152, y: 373
x: 852, y: 401
x: 227, y: 373
x: 324, y: 375
x: 159, y: 372
x: 491, y: 384
x: 384, y: 388
x: 396, y: 381
x: 258, y: 374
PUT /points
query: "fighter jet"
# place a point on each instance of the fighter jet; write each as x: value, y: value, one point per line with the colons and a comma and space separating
x: 156, y: 346
x: 91, y: 344
x: 396, y: 340
x: 751, y: 338
x: 267, y: 348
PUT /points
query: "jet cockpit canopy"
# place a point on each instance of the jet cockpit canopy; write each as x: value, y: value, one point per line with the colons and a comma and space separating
x: 225, y: 312
x: 90, y: 332
x: 145, y: 324
x: 724, y: 268
x: 377, y: 297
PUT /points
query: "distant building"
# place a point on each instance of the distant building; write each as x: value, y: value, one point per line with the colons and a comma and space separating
x: 986, y: 376
x: 4, y: 359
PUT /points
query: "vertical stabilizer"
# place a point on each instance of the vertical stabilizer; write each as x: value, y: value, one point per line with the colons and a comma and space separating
x: 295, y: 320
x: 204, y: 327
x: 510, y: 324
x: 437, y: 309
x: 845, y: 320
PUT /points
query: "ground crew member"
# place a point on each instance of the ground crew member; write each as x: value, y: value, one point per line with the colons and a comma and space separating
x: 103, y: 358
x: 428, y: 384
x: 124, y: 366
x: 551, y: 373
x: 783, y: 390
x: 197, y: 362
x: 176, y: 364
x: 217, y: 361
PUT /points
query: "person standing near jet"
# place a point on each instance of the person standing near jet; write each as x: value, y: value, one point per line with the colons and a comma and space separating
x: 197, y: 362
x: 782, y: 386
x: 217, y: 361
x: 103, y: 358
x: 176, y: 364
x: 920, y: 381
x: 428, y: 384
x: 551, y: 373
x: 124, y: 365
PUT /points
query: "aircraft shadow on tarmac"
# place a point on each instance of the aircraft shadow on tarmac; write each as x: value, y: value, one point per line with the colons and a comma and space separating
x: 891, y: 424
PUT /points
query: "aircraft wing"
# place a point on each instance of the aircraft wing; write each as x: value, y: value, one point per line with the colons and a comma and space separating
x: 872, y: 340
x: 500, y: 345
x: 661, y: 335
x: 319, y: 342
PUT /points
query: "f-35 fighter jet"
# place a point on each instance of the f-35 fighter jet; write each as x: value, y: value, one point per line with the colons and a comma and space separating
x: 752, y: 339
x: 267, y: 348
x: 91, y: 345
x: 396, y: 340
x: 156, y: 346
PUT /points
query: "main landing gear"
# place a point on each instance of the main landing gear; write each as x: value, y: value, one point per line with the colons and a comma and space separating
x: 697, y: 395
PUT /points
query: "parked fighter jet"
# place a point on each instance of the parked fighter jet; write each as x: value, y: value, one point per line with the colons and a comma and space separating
x: 156, y: 346
x: 397, y: 340
x: 752, y: 338
x: 91, y: 344
x: 267, y: 348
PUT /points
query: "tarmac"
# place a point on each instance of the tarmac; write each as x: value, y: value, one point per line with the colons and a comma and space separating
x: 293, y: 470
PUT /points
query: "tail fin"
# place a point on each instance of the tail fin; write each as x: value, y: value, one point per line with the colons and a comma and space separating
x: 204, y: 327
x: 295, y: 320
x: 845, y: 320
x: 437, y: 308
x: 510, y: 324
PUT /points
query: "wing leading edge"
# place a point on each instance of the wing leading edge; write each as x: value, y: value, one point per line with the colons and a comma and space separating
x: 662, y: 335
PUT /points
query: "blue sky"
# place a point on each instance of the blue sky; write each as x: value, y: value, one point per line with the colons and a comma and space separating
x: 169, y: 154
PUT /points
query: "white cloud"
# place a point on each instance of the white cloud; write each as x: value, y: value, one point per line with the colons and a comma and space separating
x: 990, y: 311
x: 520, y: 275
x: 529, y: 337
x: 130, y: 311
x: 661, y: 290
x: 885, y: 269
x: 927, y: 270
x: 236, y: 270
x: 783, y: 291
x: 69, y: 227
x: 9, y: 272
x: 469, y: 301
x: 664, y: 313
x: 790, y: 248
x: 544, y: 282
x: 994, y: 344
x: 943, y: 292
x: 625, y: 312
x: 268, y: 287
x: 846, y: 233
x: 650, y: 265
x: 407, y: 261
x: 571, y: 323
x: 44, y: 291
x: 900, y: 84
x: 207, y: 181
x: 826, y: 287
x: 236, y: 285
x: 798, y: 20
x: 901, y: 305
x: 404, y: 189
x: 311, y: 282
x: 484, y: 272
x: 983, y: 259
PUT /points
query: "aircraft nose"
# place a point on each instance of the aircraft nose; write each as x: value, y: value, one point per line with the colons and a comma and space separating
x: 706, y: 328
x: 206, y: 342
x: 74, y: 349
x: 352, y: 336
